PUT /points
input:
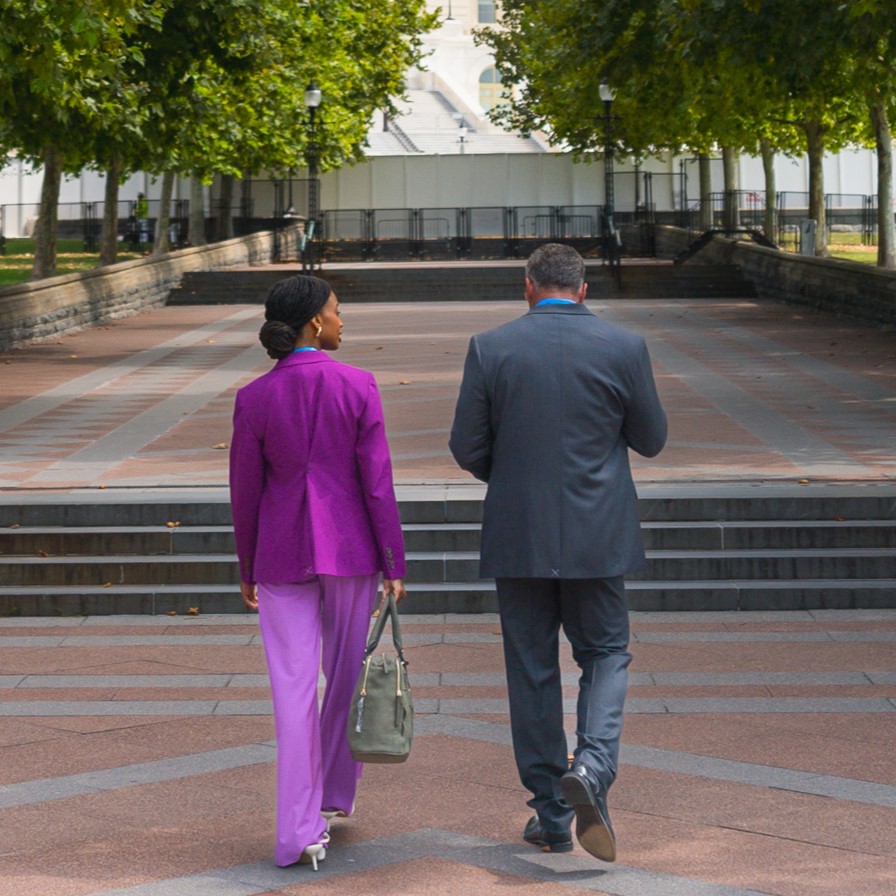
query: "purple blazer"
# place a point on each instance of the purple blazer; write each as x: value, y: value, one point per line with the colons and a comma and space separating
x: 310, y: 475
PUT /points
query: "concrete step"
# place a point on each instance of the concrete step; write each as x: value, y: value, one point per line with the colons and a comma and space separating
x: 769, y: 534
x: 116, y: 540
x: 762, y: 507
x: 459, y: 597
x: 457, y: 566
x: 429, y: 537
x: 769, y: 594
x: 775, y: 549
x: 456, y: 281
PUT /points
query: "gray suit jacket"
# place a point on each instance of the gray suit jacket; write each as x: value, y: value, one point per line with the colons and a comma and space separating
x: 549, y: 405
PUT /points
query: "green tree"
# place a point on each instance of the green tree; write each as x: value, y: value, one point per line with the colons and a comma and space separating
x: 196, y: 87
x: 61, y: 84
x: 227, y: 98
x: 871, y: 38
x: 796, y: 52
x: 736, y: 74
x: 668, y: 97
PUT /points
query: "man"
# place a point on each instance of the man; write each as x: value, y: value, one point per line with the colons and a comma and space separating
x: 549, y: 406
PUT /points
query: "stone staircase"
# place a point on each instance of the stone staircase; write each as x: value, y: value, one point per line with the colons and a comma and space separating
x: 731, y: 548
x: 455, y: 281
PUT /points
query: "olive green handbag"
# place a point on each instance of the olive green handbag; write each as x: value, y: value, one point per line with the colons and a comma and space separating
x: 381, y: 719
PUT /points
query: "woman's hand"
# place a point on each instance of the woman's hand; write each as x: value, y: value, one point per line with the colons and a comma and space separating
x: 395, y: 587
x: 249, y: 596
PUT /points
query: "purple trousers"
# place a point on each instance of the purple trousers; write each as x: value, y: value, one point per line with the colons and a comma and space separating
x: 319, y: 624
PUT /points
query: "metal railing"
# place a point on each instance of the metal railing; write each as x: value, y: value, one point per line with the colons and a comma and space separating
x: 473, y: 232
x: 83, y: 221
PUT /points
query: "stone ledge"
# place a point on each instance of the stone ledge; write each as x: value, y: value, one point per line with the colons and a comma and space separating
x: 43, y: 308
x: 844, y: 288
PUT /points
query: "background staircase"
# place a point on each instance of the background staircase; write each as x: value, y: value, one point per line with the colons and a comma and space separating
x: 768, y: 548
x: 441, y: 282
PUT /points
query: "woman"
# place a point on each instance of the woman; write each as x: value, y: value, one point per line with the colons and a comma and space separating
x: 316, y: 524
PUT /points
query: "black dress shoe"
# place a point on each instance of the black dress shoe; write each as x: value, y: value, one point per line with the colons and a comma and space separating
x: 548, y: 841
x: 593, y: 828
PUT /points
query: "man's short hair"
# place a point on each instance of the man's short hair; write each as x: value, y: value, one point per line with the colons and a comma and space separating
x: 556, y: 266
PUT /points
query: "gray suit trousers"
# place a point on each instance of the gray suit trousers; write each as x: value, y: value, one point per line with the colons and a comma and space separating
x: 594, y: 617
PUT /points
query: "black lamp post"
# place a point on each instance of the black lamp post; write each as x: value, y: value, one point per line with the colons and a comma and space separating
x: 313, y: 98
x: 607, y: 94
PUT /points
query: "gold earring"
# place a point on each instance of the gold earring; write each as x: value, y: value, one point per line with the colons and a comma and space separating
x: 319, y: 331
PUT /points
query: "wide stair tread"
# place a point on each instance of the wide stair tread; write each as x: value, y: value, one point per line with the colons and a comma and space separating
x: 391, y: 283
x: 762, y: 552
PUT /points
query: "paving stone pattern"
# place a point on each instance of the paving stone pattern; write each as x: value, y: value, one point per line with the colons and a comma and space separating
x: 756, y: 391
x: 137, y: 757
x: 136, y: 752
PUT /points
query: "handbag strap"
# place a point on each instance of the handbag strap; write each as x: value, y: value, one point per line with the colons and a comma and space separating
x: 389, y: 609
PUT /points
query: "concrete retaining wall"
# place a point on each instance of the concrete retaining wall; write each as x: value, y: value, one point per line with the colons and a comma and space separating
x: 43, y: 308
x: 845, y: 288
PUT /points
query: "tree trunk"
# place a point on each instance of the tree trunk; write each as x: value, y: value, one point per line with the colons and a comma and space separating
x: 886, y: 230
x: 729, y: 169
x: 109, y: 239
x: 197, y: 212
x: 224, y: 222
x: 163, y: 222
x: 47, y: 217
x: 770, y: 223
x: 814, y: 131
x: 704, y: 167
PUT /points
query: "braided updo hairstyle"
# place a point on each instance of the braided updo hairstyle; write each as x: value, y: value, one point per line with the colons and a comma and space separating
x: 289, y: 306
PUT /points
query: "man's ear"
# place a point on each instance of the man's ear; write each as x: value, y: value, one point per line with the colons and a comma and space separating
x: 529, y: 291
x: 582, y: 293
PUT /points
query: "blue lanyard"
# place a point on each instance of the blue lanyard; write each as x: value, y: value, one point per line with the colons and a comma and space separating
x: 555, y: 302
x: 305, y: 348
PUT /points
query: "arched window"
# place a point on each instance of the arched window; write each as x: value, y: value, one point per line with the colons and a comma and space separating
x: 491, y: 90
x: 487, y: 12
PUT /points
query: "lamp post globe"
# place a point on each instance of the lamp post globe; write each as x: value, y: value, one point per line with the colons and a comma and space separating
x: 608, y: 94
x: 609, y: 237
x: 313, y: 98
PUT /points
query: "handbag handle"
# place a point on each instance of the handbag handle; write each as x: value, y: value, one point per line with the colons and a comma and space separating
x: 390, y: 609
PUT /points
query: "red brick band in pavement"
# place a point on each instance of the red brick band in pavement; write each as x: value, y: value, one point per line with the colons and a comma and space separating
x: 135, y: 753
x: 756, y: 391
x: 136, y: 758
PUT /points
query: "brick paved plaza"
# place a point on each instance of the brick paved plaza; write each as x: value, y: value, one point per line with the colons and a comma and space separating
x: 755, y: 391
x: 136, y: 752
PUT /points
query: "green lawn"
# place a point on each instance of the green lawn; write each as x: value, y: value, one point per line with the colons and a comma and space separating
x: 849, y: 246
x: 17, y: 261
x: 867, y: 254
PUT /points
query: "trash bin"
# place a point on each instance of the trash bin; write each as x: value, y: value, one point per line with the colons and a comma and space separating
x: 807, y: 236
